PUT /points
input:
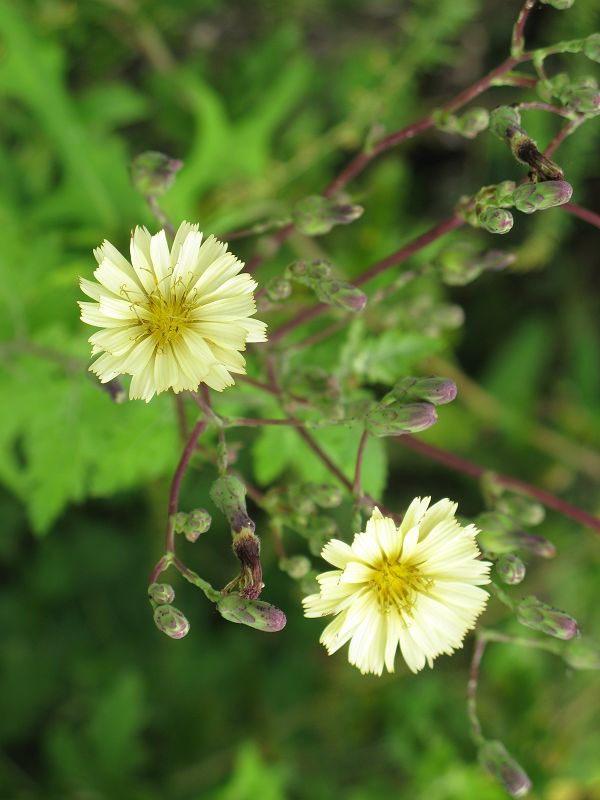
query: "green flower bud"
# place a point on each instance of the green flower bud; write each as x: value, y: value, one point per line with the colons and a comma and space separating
x: 499, y: 534
x: 437, y: 391
x: 152, y: 173
x: 180, y: 521
x: 228, y: 493
x: 398, y: 418
x: 316, y: 215
x: 278, y: 289
x: 498, y: 762
x: 254, y: 613
x: 531, y: 197
x: 473, y: 122
x: 341, y: 294
x: 591, y: 48
x: 584, y: 100
x: 161, y: 593
x: 522, y: 509
x: 171, y: 622
x: 496, y: 220
x: 539, y: 616
x: 503, y: 193
x: 198, y: 522
x: 297, y: 567
x: 307, y: 272
x: 581, y: 654
x: 324, y: 495
x: 561, y: 5
x: 510, y: 569
x: 504, y: 120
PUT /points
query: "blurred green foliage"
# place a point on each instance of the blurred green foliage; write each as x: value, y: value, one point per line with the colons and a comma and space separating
x: 265, y: 102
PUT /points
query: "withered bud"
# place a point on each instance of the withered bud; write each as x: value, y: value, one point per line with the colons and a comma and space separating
x: 495, y: 759
x: 246, y: 546
x: 254, y: 613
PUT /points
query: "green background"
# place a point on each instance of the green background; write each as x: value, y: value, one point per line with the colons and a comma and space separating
x: 265, y: 102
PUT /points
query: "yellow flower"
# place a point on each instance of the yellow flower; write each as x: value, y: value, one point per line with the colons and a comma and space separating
x: 172, y: 318
x: 415, y: 587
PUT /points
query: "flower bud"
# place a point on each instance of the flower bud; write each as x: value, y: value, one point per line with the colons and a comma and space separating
x: 496, y: 220
x: 591, y: 48
x: 473, y: 122
x: 254, y: 613
x: 504, y: 120
x: 307, y: 272
x: 499, y: 534
x: 198, y: 522
x: 582, y: 654
x: 510, y: 569
x: 278, y: 289
x: 297, y: 567
x: 437, y: 391
x: 534, y: 543
x: 152, y: 173
x: 532, y: 197
x: 323, y: 494
x: 171, y: 621
x: 398, y: 418
x: 539, y: 616
x: 561, y: 5
x: 341, y: 294
x: 161, y: 593
x: 228, y: 493
x: 584, y: 100
x: 499, y: 763
x: 522, y: 509
x: 316, y: 215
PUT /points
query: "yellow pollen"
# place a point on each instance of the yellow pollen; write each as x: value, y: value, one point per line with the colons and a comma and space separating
x: 396, y: 586
x: 166, y: 318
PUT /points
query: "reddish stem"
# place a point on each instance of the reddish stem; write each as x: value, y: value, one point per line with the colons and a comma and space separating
x: 583, y: 213
x: 177, y: 480
x: 356, y: 486
x: 476, y: 471
x: 393, y: 260
x: 249, y: 422
x: 518, y: 40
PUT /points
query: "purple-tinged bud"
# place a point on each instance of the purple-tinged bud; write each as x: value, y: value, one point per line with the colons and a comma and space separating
x: 341, y: 294
x: 278, y: 289
x: 246, y: 546
x: 398, y: 418
x: 254, y: 613
x: 561, y: 5
x: 539, y: 616
x: 534, y: 543
x: 198, y: 522
x: 510, y: 569
x: 531, y: 197
x: 152, y: 173
x: 584, y: 100
x: 161, y: 593
x: 438, y: 391
x: 503, y: 121
x: 582, y: 654
x: 591, y: 48
x: 228, y: 493
x: 496, y: 220
x: 171, y: 622
x: 522, y: 509
x: 498, y: 762
x: 473, y: 122
x: 297, y: 567
x: 316, y: 215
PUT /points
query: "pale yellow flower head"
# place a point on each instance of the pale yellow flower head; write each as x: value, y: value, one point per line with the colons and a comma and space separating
x: 172, y: 317
x: 416, y: 587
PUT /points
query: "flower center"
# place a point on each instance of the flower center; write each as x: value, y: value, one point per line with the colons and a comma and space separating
x: 396, y: 586
x: 166, y: 318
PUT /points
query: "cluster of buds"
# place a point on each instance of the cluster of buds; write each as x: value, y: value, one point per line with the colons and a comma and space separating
x: 461, y: 263
x: 317, y: 275
x: 192, y: 524
x: 317, y: 215
x: 168, y: 619
x: 409, y: 407
x: 539, y: 616
x: 470, y: 124
x: 229, y: 495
